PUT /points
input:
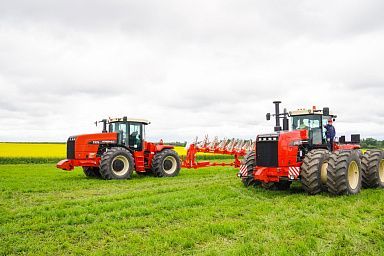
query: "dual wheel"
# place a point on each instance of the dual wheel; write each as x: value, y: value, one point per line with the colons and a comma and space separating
x: 118, y: 163
x: 342, y: 172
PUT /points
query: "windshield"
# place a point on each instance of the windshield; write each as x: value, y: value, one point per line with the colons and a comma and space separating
x: 119, y: 127
x: 306, y: 122
x: 314, y: 124
x: 116, y: 127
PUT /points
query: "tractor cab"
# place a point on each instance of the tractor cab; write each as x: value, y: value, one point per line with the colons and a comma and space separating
x: 131, y: 132
x: 314, y: 121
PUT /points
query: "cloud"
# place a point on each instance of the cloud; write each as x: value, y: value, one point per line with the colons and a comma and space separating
x: 191, y: 67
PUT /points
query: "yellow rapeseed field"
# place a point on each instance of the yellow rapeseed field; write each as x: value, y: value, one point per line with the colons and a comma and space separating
x: 32, y: 150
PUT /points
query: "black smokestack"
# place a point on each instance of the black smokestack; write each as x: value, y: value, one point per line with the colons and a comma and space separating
x: 277, y: 115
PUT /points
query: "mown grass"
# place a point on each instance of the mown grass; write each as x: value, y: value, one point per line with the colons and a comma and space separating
x: 45, y: 211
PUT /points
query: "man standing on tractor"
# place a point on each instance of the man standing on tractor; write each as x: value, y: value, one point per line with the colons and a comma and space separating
x: 330, y: 134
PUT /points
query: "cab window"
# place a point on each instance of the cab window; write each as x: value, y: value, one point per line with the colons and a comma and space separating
x: 135, y: 136
x: 121, y: 128
x: 306, y: 122
x: 313, y: 123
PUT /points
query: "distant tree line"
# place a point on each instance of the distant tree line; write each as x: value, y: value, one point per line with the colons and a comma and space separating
x: 372, y: 143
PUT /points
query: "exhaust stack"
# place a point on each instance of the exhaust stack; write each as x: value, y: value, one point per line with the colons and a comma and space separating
x: 277, y: 115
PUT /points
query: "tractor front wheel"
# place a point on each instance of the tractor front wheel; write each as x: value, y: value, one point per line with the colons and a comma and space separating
x: 314, y: 171
x: 92, y: 172
x: 372, y: 164
x: 344, y: 173
x: 166, y: 163
x: 116, y: 163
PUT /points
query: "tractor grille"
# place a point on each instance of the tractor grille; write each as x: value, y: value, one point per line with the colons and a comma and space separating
x: 71, y: 147
x: 267, y: 151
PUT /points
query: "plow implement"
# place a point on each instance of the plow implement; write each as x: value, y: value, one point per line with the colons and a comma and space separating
x: 235, y: 147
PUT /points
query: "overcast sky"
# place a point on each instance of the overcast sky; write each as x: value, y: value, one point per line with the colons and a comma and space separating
x: 190, y: 67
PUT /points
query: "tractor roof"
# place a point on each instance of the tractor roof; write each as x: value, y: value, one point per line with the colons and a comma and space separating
x: 301, y: 112
x: 124, y: 119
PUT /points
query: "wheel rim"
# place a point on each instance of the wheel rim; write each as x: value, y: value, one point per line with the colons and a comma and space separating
x: 120, y: 165
x: 353, y: 175
x: 381, y: 170
x: 323, y: 173
x: 169, y: 164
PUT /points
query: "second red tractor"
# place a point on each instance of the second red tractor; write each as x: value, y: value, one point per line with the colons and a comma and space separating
x: 300, y: 153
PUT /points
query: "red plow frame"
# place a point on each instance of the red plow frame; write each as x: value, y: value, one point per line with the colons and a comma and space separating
x: 235, y: 147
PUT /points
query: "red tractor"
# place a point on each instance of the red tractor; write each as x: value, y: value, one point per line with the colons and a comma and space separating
x: 301, y: 154
x: 113, y: 154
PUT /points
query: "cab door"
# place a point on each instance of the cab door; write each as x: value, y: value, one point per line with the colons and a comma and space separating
x: 135, y: 136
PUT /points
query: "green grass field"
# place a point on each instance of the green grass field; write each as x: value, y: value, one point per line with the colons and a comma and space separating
x: 45, y: 211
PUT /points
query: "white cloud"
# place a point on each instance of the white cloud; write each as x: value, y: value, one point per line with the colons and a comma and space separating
x: 192, y: 68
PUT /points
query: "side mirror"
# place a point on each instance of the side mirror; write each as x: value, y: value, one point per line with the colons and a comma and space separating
x: 325, y: 111
x: 285, y: 124
x: 355, y: 138
x: 268, y: 116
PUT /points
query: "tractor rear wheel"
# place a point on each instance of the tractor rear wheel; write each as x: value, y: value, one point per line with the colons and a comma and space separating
x: 92, y: 172
x: 250, y: 162
x: 314, y: 171
x: 116, y: 163
x: 372, y: 165
x: 344, y: 173
x: 166, y: 163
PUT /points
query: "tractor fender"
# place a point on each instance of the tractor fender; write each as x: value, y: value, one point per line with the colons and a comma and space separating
x: 162, y: 147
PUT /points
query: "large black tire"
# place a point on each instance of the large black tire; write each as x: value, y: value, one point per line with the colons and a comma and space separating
x: 116, y: 163
x: 344, y: 173
x: 372, y: 165
x: 250, y: 162
x: 314, y: 171
x: 92, y: 172
x: 166, y: 163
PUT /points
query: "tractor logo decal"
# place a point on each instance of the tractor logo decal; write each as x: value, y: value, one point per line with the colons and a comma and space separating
x: 294, y: 171
x: 102, y: 142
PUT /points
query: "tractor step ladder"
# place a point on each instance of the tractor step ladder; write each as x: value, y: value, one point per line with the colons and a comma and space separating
x: 139, y: 164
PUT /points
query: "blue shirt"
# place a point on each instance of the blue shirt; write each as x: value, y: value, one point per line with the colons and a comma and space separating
x: 330, y: 133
